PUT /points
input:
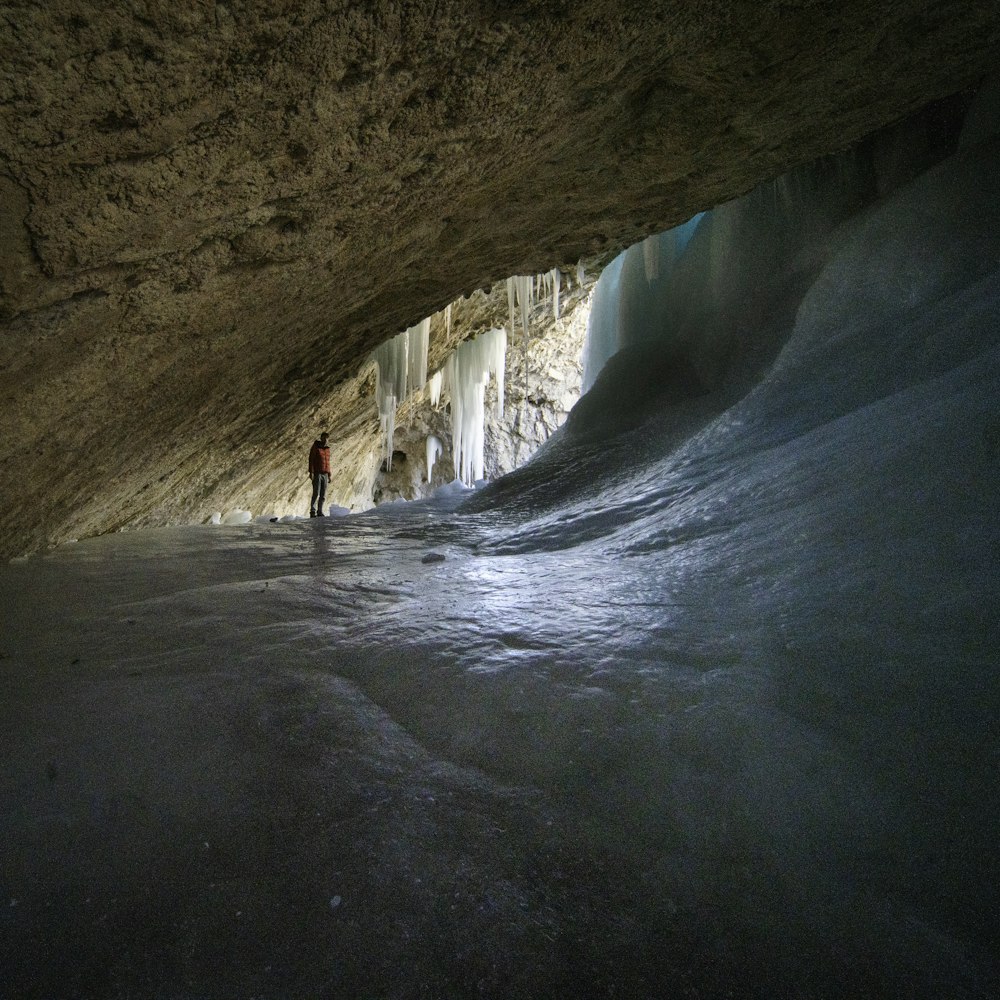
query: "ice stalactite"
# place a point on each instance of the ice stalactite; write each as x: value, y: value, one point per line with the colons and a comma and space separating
x: 550, y: 282
x: 401, y: 368
x: 467, y: 372
x: 434, y: 450
x: 524, y: 290
x: 418, y: 338
x: 434, y: 387
x: 524, y: 293
x: 520, y: 289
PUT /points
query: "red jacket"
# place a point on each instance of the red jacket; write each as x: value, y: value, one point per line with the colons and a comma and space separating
x: 319, y: 458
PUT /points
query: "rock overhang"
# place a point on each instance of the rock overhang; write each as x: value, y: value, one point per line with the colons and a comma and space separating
x: 212, y: 214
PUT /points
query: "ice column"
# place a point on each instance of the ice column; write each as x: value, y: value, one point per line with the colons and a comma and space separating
x: 434, y: 449
x: 468, y: 371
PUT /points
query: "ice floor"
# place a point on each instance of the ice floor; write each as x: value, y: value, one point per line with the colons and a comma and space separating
x: 707, y: 720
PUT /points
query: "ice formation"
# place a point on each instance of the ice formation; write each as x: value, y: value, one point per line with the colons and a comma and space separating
x: 632, y: 298
x: 401, y: 368
x: 602, y: 324
x: 553, y: 280
x: 520, y: 293
x: 467, y: 372
x: 651, y: 258
x: 524, y: 290
x: 434, y: 387
x: 434, y: 449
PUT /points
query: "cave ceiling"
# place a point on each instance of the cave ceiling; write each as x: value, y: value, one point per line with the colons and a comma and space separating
x: 210, y: 213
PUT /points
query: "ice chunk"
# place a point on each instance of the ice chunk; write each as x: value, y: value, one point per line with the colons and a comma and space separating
x: 237, y: 516
x: 455, y: 486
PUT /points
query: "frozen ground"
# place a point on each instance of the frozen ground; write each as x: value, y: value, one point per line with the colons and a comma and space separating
x: 706, y: 719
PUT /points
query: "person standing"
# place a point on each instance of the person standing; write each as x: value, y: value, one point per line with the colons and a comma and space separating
x: 319, y: 473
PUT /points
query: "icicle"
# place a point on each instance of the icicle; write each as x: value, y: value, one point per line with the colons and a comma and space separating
x: 435, y: 387
x: 387, y: 424
x: 556, y: 279
x: 418, y: 338
x: 511, y: 298
x: 400, y: 368
x: 469, y: 369
x: 447, y: 321
x: 498, y: 363
x: 434, y: 450
x: 581, y: 273
x: 523, y: 285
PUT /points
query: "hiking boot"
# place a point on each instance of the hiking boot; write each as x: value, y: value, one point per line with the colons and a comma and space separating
x: 312, y: 513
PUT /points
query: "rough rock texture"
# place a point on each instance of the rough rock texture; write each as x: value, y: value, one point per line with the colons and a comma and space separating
x: 212, y: 212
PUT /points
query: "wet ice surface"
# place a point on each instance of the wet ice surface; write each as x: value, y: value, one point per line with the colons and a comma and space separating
x: 705, y: 718
x: 743, y: 735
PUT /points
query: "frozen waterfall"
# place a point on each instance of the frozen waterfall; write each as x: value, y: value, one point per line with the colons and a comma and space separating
x: 622, y: 316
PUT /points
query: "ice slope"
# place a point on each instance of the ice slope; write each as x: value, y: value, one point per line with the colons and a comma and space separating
x: 702, y: 703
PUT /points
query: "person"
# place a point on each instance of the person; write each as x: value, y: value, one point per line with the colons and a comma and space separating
x: 319, y: 473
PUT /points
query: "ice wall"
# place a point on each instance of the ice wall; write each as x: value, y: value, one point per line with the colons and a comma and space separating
x: 828, y: 794
x: 625, y: 308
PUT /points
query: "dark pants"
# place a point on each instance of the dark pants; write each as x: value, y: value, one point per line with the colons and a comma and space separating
x: 320, y: 481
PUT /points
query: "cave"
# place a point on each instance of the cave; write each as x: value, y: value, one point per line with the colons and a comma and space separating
x: 700, y: 700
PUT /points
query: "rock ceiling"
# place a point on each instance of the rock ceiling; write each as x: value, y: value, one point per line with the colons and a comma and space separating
x: 210, y: 213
